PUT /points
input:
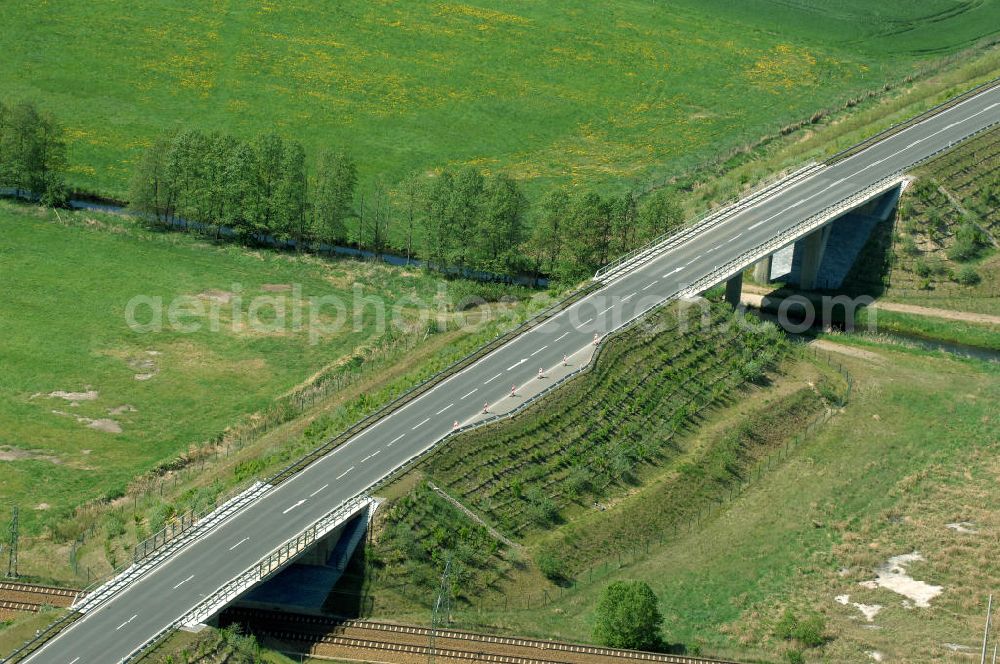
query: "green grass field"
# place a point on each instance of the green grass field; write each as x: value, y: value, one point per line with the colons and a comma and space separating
x: 135, y: 399
x: 592, y: 94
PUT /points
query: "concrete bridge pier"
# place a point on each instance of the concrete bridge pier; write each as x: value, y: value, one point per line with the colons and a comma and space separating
x: 762, y: 270
x: 734, y: 288
x: 813, y: 248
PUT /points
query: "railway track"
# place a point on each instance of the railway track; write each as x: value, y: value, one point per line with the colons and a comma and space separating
x: 367, y: 640
x: 23, y: 597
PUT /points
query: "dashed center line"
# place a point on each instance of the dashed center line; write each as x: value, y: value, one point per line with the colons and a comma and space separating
x: 183, y: 582
x: 539, y: 350
x: 585, y: 322
x: 445, y: 408
x: 492, y: 379
x: 421, y: 424
x: 318, y: 490
x: 238, y: 543
x: 398, y: 437
x: 294, y: 506
x: 517, y: 364
x: 651, y: 284
x: 606, y: 310
x: 126, y: 622
x: 373, y: 454
x: 562, y: 335
x: 471, y: 393
x: 341, y: 476
x: 628, y: 297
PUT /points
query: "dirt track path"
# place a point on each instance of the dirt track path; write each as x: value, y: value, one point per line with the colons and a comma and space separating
x: 947, y: 314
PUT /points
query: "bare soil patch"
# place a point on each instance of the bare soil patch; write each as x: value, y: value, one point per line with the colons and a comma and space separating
x: 9, y: 453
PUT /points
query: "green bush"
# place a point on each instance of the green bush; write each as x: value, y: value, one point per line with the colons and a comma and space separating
x: 628, y: 616
x: 969, y: 242
x: 809, y: 632
x: 549, y: 565
x: 786, y: 626
x: 967, y: 276
x: 922, y: 268
x: 795, y: 657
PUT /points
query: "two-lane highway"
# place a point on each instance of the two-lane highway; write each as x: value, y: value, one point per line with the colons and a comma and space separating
x: 134, y: 616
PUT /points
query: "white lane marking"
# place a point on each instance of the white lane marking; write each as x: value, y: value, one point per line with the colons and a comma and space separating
x: 585, y: 322
x: 74, y: 660
x: 445, y: 408
x: 126, y: 622
x: 184, y: 581
x: 628, y: 297
x: 492, y: 379
x: 471, y: 393
x: 651, y: 284
x: 606, y: 310
x: 739, y: 235
x: 421, y: 424
x: 341, y: 476
x: 318, y: 490
x: 238, y: 543
x: 373, y: 454
x: 399, y: 436
x: 674, y: 272
x: 539, y: 350
x: 517, y: 364
x: 562, y: 335
x: 294, y: 506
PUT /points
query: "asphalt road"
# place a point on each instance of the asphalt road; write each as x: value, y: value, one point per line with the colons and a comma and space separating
x: 133, y: 617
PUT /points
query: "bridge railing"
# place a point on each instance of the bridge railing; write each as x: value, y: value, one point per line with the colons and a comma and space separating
x: 747, y: 258
x: 863, y: 145
x: 262, y: 569
x: 705, y: 221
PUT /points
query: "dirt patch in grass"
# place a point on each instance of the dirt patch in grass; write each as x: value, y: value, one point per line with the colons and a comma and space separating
x: 276, y: 288
x: 87, y: 395
x: 852, y: 351
x: 103, y: 424
x: 216, y: 295
x: 892, y: 575
x: 8, y: 453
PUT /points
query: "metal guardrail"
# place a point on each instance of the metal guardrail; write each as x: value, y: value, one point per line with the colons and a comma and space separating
x: 863, y: 145
x: 426, y: 385
x: 747, y: 258
x: 261, y: 570
x: 124, y: 576
x: 707, y: 220
x: 733, y: 206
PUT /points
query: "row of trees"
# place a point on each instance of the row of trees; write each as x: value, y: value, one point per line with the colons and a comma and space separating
x: 32, y: 153
x: 455, y: 219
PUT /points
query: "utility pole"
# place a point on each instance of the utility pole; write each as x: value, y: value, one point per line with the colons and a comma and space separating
x: 442, y: 608
x: 12, y: 546
x: 986, y: 632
